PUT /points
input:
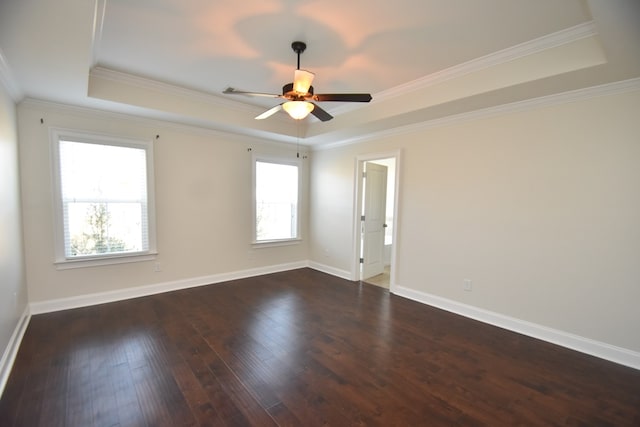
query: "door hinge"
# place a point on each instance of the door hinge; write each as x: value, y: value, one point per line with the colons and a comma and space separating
x: 364, y: 174
x: 361, y: 260
x: 362, y: 218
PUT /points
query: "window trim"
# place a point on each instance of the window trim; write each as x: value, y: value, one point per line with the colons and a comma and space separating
x: 61, y: 261
x: 281, y: 160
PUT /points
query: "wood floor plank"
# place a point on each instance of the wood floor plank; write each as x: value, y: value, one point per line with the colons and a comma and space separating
x: 245, y: 401
x: 301, y: 348
x: 29, y: 409
x: 54, y: 403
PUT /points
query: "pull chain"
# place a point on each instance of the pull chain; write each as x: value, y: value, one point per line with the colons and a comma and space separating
x: 298, y: 139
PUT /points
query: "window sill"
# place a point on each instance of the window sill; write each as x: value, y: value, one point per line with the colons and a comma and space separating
x: 275, y: 243
x: 104, y: 260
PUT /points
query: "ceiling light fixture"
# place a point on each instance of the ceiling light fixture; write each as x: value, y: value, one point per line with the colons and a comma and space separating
x: 298, y: 109
x: 299, y: 94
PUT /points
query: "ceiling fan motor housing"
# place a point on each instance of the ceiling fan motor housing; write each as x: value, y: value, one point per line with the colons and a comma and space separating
x: 289, y: 93
x: 304, y: 93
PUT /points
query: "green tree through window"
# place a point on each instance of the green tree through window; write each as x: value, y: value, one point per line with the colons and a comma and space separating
x: 97, y: 241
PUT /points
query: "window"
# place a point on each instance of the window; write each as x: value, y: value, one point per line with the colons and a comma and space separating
x: 104, y: 194
x: 276, y: 200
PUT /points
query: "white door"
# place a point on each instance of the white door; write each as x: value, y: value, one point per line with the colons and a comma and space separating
x: 375, y: 198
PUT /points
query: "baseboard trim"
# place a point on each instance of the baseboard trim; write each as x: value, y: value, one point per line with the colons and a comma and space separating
x: 40, y: 307
x: 598, y: 349
x: 343, y: 274
x: 575, y: 342
x: 11, y: 351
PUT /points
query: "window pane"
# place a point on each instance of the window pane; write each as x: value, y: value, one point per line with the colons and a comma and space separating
x: 95, y: 171
x: 97, y: 228
x: 276, y: 201
x: 104, y: 198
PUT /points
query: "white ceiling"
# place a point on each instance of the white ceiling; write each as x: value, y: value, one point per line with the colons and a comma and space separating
x: 420, y: 59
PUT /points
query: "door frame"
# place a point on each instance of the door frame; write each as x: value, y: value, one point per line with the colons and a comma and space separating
x: 357, y: 212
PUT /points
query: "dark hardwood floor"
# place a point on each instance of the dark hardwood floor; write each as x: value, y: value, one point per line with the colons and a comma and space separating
x: 301, y: 348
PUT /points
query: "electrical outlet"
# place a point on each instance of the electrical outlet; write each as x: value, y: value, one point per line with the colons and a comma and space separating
x: 156, y: 267
x: 467, y: 285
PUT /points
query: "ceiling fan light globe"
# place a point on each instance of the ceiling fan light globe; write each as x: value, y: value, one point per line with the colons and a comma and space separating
x: 298, y: 110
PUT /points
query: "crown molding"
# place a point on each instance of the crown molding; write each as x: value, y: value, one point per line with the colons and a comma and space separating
x: 512, y: 107
x: 519, y: 106
x: 154, y: 122
x: 549, y: 41
x: 174, y: 90
x: 169, y: 89
x: 8, y: 81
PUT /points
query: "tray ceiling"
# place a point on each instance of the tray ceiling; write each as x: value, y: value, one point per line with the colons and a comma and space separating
x: 418, y: 58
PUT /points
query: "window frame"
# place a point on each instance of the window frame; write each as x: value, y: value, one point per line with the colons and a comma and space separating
x: 280, y: 160
x: 61, y: 260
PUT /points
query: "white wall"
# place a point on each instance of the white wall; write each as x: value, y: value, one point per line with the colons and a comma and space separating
x: 539, y: 208
x: 13, y: 289
x: 203, y: 205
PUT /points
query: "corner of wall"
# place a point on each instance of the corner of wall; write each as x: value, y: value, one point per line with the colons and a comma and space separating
x: 11, y: 351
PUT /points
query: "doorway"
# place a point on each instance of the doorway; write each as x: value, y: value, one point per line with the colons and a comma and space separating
x: 376, y: 218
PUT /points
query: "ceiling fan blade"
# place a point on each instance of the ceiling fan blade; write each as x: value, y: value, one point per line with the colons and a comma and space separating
x: 343, y: 97
x: 302, y: 80
x: 270, y: 112
x: 232, y: 91
x: 320, y: 113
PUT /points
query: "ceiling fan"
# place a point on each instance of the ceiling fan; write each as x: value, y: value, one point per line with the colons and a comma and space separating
x: 299, y: 94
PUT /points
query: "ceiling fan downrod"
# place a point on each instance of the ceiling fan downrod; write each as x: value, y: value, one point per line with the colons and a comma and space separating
x: 298, y: 47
